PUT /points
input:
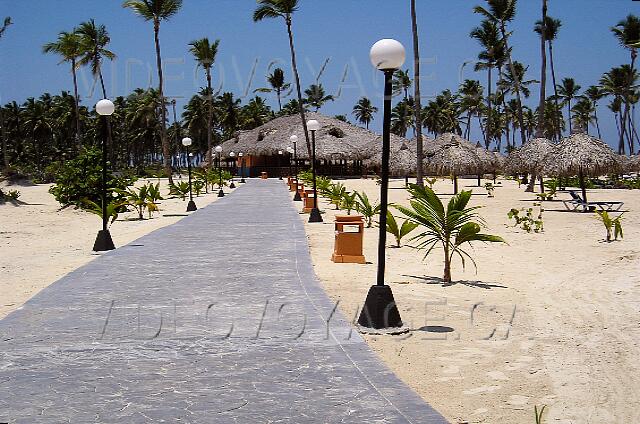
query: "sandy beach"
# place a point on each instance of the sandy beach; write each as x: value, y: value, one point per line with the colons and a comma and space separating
x: 549, y: 319
x: 40, y: 242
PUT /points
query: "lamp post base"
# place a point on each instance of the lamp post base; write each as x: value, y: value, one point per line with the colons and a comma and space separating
x: 192, y: 206
x: 242, y: 180
x: 380, y: 309
x: 103, y: 241
x: 296, y: 197
x: 280, y: 177
x: 221, y: 193
x: 232, y: 185
x: 315, y: 216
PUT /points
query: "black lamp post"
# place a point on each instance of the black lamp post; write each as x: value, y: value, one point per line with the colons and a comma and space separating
x: 186, y: 142
x: 241, y: 156
x: 103, y: 240
x: 219, y: 152
x: 294, y: 140
x: 232, y: 155
x: 279, y: 165
x: 380, y: 310
x: 290, y: 152
x: 314, y: 126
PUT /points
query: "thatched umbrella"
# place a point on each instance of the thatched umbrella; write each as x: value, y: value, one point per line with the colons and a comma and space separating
x: 450, y: 154
x: 530, y: 157
x: 582, y: 155
x: 402, y: 156
x: 335, y: 139
x: 630, y: 163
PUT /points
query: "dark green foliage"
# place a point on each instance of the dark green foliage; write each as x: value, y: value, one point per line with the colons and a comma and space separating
x: 81, y: 178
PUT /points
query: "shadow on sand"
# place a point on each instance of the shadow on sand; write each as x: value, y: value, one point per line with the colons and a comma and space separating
x: 437, y: 280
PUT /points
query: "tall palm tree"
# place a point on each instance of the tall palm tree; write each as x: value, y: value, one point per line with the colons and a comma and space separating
x: 550, y: 26
x: 285, y: 9
x: 5, y: 151
x: 501, y: 12
x: 364, y: 111
x: 229, y: 111
x: 5, y: 25
x: 567, y: 91
x: 583, y: 114
x: 157, y: 11
x: 620, y: 82
x: 67, y: 46
x: 402, y: 117
x: 93, y: 44
x: 278, y: 85
x: 205, y: 54
x: 316, y: 97
x: 417, y: 96
x: 256, y: 113
x: 470, y: 93
x: 541, y: 30
x: 595, y: 93
x: 401, y: 83
x: 488, y: 36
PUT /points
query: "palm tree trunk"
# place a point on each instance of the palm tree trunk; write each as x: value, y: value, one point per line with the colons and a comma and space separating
x: 209, y: 119
x: 5, y: 152
x: 623, y: 126
x: 595, y: 114
x: 447, y: 264
x: 104, y: 90
x: 417, y: 106
x: 523, y: 134
x: 76, y: 102
x: 543, y: 72
x: 294, y: 66
x: 487, y: 135
x: 166, y: 148
x: 467, y: 131
x: 555, y: 87
x: 279, y: 99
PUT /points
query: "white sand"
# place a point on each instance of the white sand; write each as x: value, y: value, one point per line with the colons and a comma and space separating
x: 573, y: 344
x: 39, y: 242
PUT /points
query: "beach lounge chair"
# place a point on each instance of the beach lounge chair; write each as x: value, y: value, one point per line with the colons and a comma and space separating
x: 577, y: 203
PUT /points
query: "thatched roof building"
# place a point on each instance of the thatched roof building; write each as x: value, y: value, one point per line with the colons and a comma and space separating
x: 450, y: 154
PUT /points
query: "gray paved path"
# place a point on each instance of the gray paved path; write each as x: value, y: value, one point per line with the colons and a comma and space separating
x: 218, y: 318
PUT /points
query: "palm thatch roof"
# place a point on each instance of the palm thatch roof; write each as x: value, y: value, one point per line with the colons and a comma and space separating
x: 630, y: 163
x: 530, y: 157
x: 335, y: 139
x: 402, y: 159
x: 583, y: 154
x: 451, y: 154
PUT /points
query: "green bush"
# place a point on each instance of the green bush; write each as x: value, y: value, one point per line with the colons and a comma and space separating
x: 81, y: 178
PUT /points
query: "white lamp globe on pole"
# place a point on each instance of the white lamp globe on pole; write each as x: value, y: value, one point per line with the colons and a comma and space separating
x: 314, y: 126
x: 294, y: 141
x: 105, y: 107
x: 387, y: 54
x: 186, y: 142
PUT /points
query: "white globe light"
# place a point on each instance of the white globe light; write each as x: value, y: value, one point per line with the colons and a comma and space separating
x: 313, y: 125
x: 232, y: 154
x: 279, y: 152
x: 186, y: 142
x: 105, y: 107
x: 218, y: 149
x: 387, y: 54
x: 294, y: 138
x: 240, y: 154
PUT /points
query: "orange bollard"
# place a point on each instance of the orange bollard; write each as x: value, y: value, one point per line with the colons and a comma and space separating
x: 349, y: 233
x: 307, y: 197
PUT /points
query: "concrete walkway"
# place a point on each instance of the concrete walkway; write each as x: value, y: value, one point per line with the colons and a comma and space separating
x: 218, y: 318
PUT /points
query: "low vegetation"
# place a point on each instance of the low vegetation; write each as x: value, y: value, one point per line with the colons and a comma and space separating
x: 399, y: 231
x: 526, y: 221
x: 612, y: 225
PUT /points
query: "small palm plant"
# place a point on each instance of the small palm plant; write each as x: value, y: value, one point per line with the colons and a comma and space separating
x: 399, y: 231
x: 336, y: 193
x: 323, y: 185
x: 366, y: 209
x: 611, y: 224
x: 140, y: 199
x: 539, y: 413
x: 198, y: 186
x: 181, y: 189
x: 348, y: 202
x: 113, y: 209
x: 450, y: 228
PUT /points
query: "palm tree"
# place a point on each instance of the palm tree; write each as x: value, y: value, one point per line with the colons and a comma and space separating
x: 568, y: 91
x: 417, y: 95
x: 594, y: 94
x: 364, y: 111
x: 93, y: 45
x: 541, y: 30
x: 256, y: 113
x: 5, y: 25
x: 402, y: 117
x: 620, y: 82
x: 491, y: 57
x: 157, y: 11
x: 550, y: 26
x: 501, y: 12
x: 401, y: 83
x: 67, y: 46
x: 583, y: 114
x: 277, y: 82
x: 205, y: 54
x: 316, y: 97
x: 284, y: 9
x: 229, y: 111
x: 470, y: 93
x: 5, y: 152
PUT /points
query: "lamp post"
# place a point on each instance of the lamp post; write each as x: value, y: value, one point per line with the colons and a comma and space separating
x: 279, y: 165
x: 241, y: 156
x: 232, y: 155
x: 290, y: 151
x: 314, y: 126
x: 380, y: 310
x: 186, y: 142
x: 103, y: 240
x: 294, y: 140
x: 219, y: 152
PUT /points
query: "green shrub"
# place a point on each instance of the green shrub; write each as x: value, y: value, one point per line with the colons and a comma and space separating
x: 527, y: 222
x: 142, y: 198
x: 181, y: 189
x: 348, y: 202
x: 113, y: 209
x: 610, y: 224
x: 81, y: 178
x: 336, y: 193
x: 399, y: 231
x: 366, y: 209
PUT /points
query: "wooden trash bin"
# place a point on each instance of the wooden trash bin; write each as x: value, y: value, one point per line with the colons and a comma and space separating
x: 300, y: 189
x: 349, y: 234
x: 264, y: 175
x: 307, y: 198
x: 292, y: 185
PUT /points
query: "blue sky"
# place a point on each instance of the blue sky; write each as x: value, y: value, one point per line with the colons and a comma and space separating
x: 339, y: 30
